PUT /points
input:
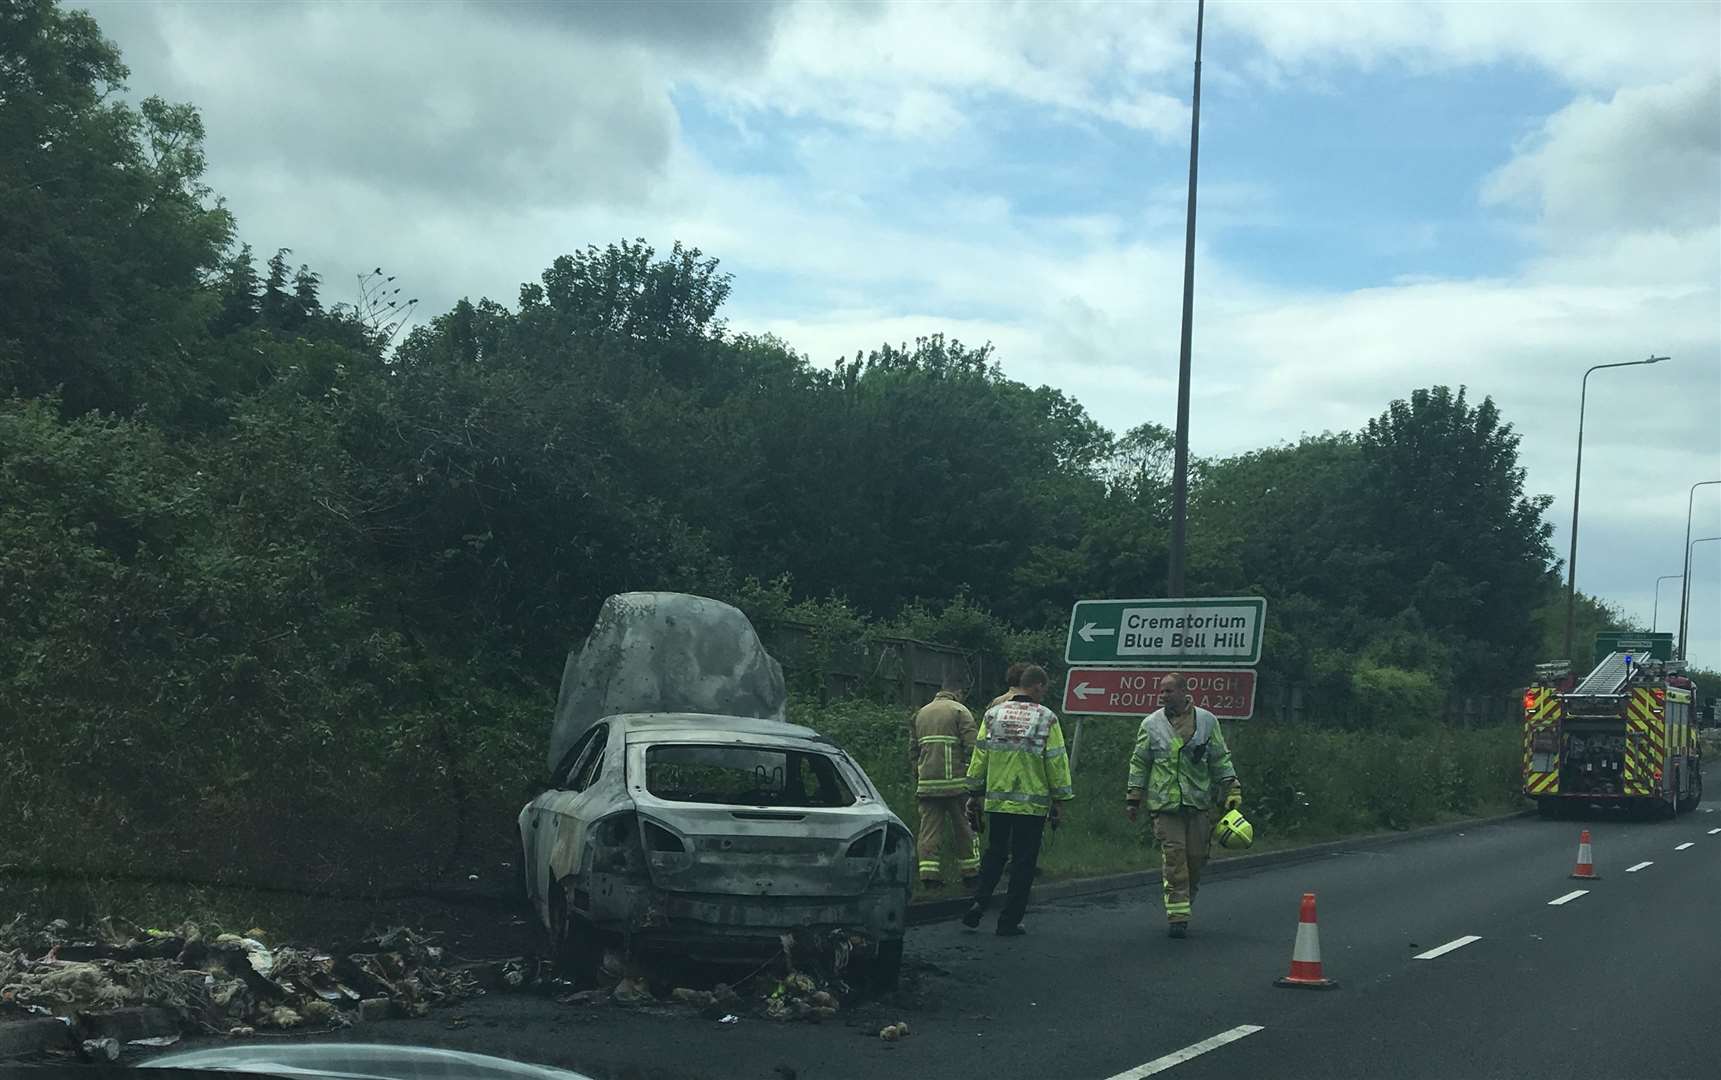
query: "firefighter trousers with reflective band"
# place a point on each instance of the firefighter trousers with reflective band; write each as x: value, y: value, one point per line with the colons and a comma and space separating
x: 934, y: 815
x: 1012, y: 838
x: 1184, y: 836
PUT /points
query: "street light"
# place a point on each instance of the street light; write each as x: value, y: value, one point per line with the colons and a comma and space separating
x: 1685, y: 589
x: 1577, y: 482
x: 1655, y: 619
x: 1180, y: 444
x: 1688, y: 550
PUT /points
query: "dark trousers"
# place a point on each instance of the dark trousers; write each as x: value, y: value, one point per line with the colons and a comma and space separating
x: 1012, y: 838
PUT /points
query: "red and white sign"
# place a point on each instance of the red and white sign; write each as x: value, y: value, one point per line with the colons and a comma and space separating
x: 1228, y: 694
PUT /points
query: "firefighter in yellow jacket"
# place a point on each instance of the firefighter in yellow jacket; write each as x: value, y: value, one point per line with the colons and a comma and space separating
x: 1180, y: 756
x: 941, y: 740
x: 1022, y: 771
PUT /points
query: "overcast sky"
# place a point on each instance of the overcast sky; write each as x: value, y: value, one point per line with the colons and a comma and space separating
x: 1392, y: 195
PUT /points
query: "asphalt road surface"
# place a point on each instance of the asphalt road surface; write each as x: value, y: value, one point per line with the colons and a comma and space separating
x: 1454, y: 961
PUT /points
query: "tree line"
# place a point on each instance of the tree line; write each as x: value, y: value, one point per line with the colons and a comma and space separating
x: 253, y: 540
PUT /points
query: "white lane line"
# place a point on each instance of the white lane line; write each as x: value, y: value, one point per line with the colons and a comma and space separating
x: 1712, y: 832
x: 1682, y: 847
x: 1194, y: 1050
x: 1568, y: 898
x: 1639, y: 866
x: 1458, y: 943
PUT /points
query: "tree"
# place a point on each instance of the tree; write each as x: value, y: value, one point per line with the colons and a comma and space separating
x: 106, y: 230
x: 306, y: 306
x: 1443, y: 493
x: 239, y: 294
x: 274, y: 307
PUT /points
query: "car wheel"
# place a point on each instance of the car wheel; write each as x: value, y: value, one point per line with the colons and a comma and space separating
x: 574, y: 951
x: 883, y: 970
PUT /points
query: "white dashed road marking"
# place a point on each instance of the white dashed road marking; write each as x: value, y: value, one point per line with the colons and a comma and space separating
x: 1442, y: 950
x: 1712, y: 832
x: 1568, y: 898
x: 1682, y: 847
x: 1194, y: 1050
x: 1639, y: 866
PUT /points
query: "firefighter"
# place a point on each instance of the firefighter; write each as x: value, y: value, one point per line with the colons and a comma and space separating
x: 941, y: 739
x: 1021, y: 770
x: 1180, y: 754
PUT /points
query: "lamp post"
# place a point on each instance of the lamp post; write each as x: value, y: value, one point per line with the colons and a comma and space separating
x: 1685, y: 588
x: 1180, y: 447
x: 1655, y: 618
x: 1577, y: 487
x: 1689, y: 548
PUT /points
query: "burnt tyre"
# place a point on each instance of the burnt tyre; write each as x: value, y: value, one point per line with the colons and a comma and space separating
x: 573, y: 947
x: 883, y: 971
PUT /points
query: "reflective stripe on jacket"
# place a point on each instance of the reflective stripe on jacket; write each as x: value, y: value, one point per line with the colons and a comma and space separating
x: 1020, y: 764
x: 1178, y: 774
x: 942, y: 734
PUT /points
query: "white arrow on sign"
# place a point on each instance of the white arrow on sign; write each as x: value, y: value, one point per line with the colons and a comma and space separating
x: 1089, y: 631
x: 1083, y: 691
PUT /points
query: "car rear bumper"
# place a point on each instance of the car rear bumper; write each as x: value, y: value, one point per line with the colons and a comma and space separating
x: 653, y: 918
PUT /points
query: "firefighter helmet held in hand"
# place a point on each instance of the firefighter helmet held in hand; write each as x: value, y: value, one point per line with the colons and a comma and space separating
x: 1234, y: 831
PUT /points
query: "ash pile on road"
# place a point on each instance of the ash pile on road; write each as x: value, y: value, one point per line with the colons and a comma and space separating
x: 810, y: 978
x: 222, y: 983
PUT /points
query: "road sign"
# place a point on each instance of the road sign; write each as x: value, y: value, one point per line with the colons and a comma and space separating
x: 1193, y: 632
x: 1108, y: 691
x: 1642, y: 646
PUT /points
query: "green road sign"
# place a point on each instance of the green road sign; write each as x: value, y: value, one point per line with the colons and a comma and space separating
x: 1209, y: 631
x: 1642, y: 646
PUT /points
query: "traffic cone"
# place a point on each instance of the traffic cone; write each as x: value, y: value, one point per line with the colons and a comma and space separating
x: 1306, y: 953
x: 1586, y: 869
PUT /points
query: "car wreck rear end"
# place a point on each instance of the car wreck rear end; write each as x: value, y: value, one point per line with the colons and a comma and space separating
x: 734, y: 832
x: 709, y: 838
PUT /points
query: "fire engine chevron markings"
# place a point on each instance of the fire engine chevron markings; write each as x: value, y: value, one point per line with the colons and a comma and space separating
x: 1193, y: 1050
x: 1639, y: 866
x: 1682, y: 847
x: 1568, y: 898
x: 1458, y: 943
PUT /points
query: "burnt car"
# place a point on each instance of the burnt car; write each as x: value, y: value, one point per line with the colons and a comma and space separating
x: 685, y: 815
x: 709, y: 837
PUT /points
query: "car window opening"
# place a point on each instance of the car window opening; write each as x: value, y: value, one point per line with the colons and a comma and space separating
x: 744, y: 776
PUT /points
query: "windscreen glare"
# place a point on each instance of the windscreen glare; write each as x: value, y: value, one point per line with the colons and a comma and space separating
x: 744, y: 776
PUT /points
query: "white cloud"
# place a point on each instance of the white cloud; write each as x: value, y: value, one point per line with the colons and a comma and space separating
x: 1648, y: 159
x: 1591, y: 43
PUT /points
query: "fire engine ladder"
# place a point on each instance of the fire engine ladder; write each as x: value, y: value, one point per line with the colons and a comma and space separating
x: 1609, y: 677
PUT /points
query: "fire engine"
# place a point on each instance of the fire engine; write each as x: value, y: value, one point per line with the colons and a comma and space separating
x: 1624, y: 735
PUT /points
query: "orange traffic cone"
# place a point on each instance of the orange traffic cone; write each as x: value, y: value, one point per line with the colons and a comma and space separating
x: 1586, y: 869
x: 1306, y: 953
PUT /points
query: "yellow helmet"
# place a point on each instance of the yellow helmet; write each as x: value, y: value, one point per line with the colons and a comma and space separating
x: 1234, y: 831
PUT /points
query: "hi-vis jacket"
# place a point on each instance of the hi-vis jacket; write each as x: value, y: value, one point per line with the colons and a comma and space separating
x: 1178, y: 774
x: 942, y: 736
x: 1020, y: 764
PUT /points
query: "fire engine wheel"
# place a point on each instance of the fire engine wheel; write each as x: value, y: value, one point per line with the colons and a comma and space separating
x: 1690, y: 802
